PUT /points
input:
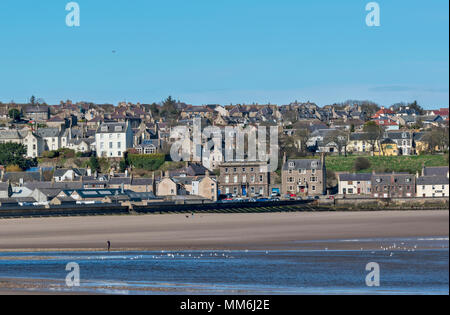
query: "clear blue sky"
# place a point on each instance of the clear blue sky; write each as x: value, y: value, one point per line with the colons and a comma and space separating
x: 233, y: 51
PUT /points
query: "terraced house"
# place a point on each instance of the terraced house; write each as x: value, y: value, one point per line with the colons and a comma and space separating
x: 244, y: 179
x: 395, y: 185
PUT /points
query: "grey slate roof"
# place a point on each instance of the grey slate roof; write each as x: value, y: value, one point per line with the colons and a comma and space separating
x: 48, y: 132
x: 432, y: 180
x: 436, y: 171
x: 303, y: 164
x: 111, y: 128
x: 359, y: 177
x: 15, y: 177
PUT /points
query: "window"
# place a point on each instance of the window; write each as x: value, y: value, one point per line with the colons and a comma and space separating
x: 260, y: 178
x: 235, y: 178
x: 110, y: 145
x: 227, y: 179
x: 118, y: 145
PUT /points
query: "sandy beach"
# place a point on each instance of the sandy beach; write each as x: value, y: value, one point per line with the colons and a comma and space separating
x: 217, y: 231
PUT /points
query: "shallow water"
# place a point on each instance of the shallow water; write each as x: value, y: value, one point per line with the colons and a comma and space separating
x: 404, y: 270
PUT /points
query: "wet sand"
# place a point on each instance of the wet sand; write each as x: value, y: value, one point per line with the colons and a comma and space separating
x: 280, y: 231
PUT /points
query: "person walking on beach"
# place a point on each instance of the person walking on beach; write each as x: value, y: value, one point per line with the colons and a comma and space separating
x: 108, y: 244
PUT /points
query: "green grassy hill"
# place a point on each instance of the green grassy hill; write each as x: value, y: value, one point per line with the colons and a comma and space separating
x: 410, y: 164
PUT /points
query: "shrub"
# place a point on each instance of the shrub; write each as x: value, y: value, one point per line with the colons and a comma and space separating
x: 13, y: 168
x: 50, y: 154
x: 361, y: 163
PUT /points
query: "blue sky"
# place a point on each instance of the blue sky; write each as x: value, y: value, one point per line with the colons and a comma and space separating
x: 233, y: 51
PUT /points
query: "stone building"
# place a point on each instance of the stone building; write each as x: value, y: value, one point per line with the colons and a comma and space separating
x: 244, y: 179
x: 395, y: 185
x: 306, y: 177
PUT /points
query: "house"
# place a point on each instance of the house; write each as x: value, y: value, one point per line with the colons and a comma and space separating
x: 37, y: 112
x: 33, y: 143
x: 387, y: 147
x: 434, y: 182
x: 166, y: 187
x: 150, y: 146
x: 355, y: 184
x: 387, y: 123
x: 383, y: 113
x: 304, y: 177
x: 395, y: 185
x: 56, y: 122
x: 70, y: 175
x: 51, y: 137
x: 205, y: 187
x: 403, y: 140
x: 113, y: 139
x: 244, y: 179
x: 358, y: 143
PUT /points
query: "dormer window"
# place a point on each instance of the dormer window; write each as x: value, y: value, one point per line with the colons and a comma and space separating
x: 291, y: 164
x: 118, y: 128
x: 314, y: 164
x: 104, y: 128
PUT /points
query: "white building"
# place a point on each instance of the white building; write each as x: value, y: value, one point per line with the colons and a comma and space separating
x: 434, y: 182
x: 113, y: 139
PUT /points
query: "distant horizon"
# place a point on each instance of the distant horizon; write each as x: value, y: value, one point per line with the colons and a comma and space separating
x: 216, y: 103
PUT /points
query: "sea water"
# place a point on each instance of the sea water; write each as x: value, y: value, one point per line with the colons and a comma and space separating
x: 404, y: 269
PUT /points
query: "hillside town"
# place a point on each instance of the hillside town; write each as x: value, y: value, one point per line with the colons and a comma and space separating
x: 85, y: 153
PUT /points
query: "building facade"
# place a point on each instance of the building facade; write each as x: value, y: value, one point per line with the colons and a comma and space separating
x: 355, y: 184
x: 304, y: 177
x: 393, y: 185
x: 244, y: 179
x: 112, y: 140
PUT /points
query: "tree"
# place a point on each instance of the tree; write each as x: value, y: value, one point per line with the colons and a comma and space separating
x: 340, y: 138
x: 416, y: 107
x: 169, y: 108
x: 14, y: 114
x: 372, y: 134
x: 361, y: 163
x: 14, y: 154
x: 32, y: 100
x: 436, y: 139
x: 94, y: 164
